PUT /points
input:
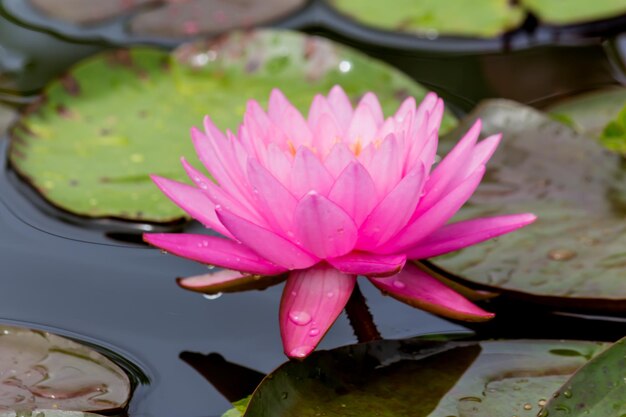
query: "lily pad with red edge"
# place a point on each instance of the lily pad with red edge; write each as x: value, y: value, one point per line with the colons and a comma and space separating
x: 419, y: 378
x: 590, y: 113
x: 597, y: 389
x: 41, y: 370
x: 91, y: 141
x: 573, y: 256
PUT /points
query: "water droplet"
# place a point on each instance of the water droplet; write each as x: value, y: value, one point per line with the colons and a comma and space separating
x: 210, y: 267
x: 330, y: 294
x: 314, y: 332
x: 542, y: 413
x: 399, y: 284
x: 541, y: 402
x: 345, y: 66
x: 212, y: 296
x: 300, y: 318
x: 528, y: 406
x: 567, y: 393
x: 300, y: 352
x: 293, y: 293
x: 472, y: 399
x: 561, y: 254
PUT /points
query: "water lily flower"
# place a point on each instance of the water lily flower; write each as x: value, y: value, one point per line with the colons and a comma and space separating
x: 321, y: 200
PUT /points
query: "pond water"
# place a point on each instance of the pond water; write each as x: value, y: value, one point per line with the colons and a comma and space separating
x: 89, y: 281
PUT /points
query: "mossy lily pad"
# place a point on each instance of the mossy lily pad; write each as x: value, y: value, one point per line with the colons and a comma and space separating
x: 420, y: 378
x: 43, y: 371
x: 90, y: 143
x: 590, y: 113
x: 573, y: 255
x: 559, y: 12
x: 473, y: 18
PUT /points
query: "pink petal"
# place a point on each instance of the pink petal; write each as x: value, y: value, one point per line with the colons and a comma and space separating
x: 284, y: 115
x: 418, y: 289
x: 275, y: 203
x: 193, y: 201
x: 362, y: 127
x: 278, y: 163
x: 355, y: 192
x: 319, y: 107
x: 227, y: 280
x: 326, y: 134
x: 266, y: 243
x: 407, y: 107
x: 213, y: 250
x: 483, y: 151
x: 434, y: 217
x: 342, y: 108
x: 369, y: 264
x: 394, y: 211
x: 338, y: 159
x: 436, y: 115
x: 466, y: 233
x: 312, y: 300
x: 323, y: 228
x: 449, y: 168
x: 373, y: 104
x: 386, y: 166
x: 309, y: 174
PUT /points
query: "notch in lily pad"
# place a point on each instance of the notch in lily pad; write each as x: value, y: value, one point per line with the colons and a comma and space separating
x: 90, y: 143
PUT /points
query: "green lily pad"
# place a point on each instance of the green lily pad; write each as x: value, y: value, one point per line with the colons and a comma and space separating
x: 574, y: 255
x: 474, y: 18
x: 419, y: 378
x: 43, y: 371
x: 590, y: 113
x: 597, y: 389
x: 90, y: 143
x: 559, y: 12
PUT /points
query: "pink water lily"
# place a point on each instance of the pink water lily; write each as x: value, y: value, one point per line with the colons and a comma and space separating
x: 319, y: 201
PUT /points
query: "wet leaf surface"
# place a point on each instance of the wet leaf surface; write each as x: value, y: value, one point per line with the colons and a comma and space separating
x: 478, y: 18
x: 590, y: 114
x: 419, y: 378
x: 597, y: 389
x: 558, y: 12
x: 90, y: 143
x: 40, y: 370
x: 573, y: 255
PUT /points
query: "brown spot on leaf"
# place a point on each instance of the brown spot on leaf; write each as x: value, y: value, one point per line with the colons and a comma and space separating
x: 64, y: 112
x: 70, y: 84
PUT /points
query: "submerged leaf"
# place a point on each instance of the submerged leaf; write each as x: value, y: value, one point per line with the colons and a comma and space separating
x: 419, y: 378
x: 42, y: 370
x: 573, y: 255
x: 91, y: 142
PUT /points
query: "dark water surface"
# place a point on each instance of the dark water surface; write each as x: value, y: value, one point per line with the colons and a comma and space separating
x: 65, y: 275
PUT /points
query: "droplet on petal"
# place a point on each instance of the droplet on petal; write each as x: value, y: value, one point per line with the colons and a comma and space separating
x: 300, y: 351
x: 301, y: 318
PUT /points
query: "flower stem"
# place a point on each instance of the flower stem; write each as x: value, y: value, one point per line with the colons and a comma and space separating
x: 360, y: 317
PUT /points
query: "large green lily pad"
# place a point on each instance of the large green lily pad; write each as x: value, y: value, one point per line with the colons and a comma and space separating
x: 474, y: 18
x: 40, y: 370
x: 90, y: 143
x: 574, y: 255
x: 597, y: 389
x: 420, y: 378
x: 590, y: 113
x: 568, y: 12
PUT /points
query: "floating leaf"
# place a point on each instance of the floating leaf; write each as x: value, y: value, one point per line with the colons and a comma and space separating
x: 420, y: 378
x: 478, y: 18
x: 90, y: 143
x: 42, y: 370
x: 573, y: 255
x: 559, y: 12
x: 597, y: 389
x: 590, y: 113
x: 239, y: 407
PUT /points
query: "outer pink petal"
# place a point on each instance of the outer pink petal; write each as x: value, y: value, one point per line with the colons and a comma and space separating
x: 369, y: 264
x: 342, y: 108
x: 283, y: 114
x: 434, y: 217
x: 442, y: 178
x: 436, y: 115
x: 418, y: 289
x: 338, y: 159
x: 193, y: 201
x: 308, y: 174
x: 394, y: 211
x: 312, y: 300
x: 355, y: 192
x: 466, y: 233
x: 386, y: 165
x: 227, y: 280
x: 266, y: 243
x: 213, y: 250
x: 276, y: 204
x: 323, y: 228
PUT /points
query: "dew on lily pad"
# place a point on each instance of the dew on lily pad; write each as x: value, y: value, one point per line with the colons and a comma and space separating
x: 41, y: 370
x: 430, y: 18
x: 89, y: 145
x: 573, y: 255
x: 419, y: 378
